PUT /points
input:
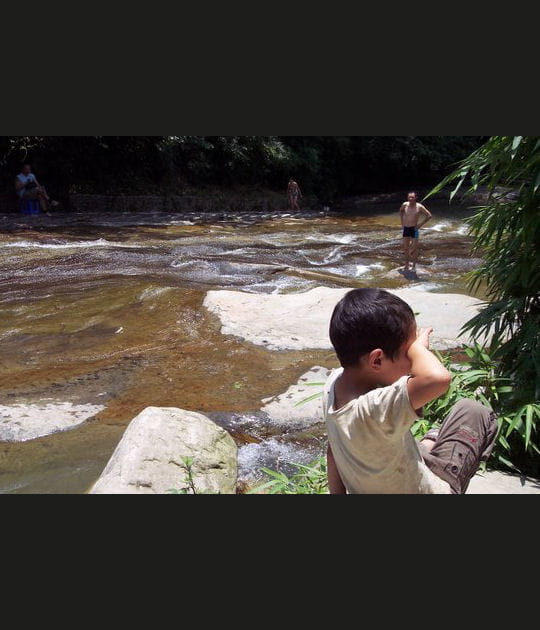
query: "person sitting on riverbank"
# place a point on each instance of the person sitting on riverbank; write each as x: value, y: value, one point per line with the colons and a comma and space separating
x: 369, y: 406
x: 410, y: 212
x: 293, y: 194
x: 28, y: 187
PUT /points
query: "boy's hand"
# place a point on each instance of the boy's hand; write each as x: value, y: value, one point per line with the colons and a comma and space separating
x: 423, y: 336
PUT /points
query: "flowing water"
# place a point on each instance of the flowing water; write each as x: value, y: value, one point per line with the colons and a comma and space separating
x: 101, y: 309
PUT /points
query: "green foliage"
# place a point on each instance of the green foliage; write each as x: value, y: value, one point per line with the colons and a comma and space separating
x: 325, y: 166
x: 476, y: 379
x: 310, y: 479
x: 189, y: 479
x: 479, y: 379
x: 506, y: 233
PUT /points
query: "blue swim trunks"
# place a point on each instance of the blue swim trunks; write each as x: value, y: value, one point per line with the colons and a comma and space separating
x: 410, y: 232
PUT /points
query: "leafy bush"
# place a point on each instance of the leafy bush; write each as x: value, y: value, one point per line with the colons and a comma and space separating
x: 479, y: 378
x: 506, y: 233
x: 310, y: 479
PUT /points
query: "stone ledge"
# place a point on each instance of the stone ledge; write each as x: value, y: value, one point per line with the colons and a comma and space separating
x: 300, y: 321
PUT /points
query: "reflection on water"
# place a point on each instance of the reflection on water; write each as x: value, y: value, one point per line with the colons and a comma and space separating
x: 106, y: 310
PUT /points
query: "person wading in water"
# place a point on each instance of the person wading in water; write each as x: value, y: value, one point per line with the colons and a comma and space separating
x: 293, y: 194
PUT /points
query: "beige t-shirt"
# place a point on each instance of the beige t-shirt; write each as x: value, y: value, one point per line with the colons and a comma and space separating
x: 372, y: 444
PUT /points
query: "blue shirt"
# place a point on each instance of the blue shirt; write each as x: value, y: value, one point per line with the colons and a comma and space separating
x: 25, y: 179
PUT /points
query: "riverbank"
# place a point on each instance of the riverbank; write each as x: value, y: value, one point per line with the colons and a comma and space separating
x: 242, y: 200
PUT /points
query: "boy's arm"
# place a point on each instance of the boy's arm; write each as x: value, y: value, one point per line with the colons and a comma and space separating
x: 429, y: 378
x: 335, y: 484
x: 401, y: 213
x: 427, y: 215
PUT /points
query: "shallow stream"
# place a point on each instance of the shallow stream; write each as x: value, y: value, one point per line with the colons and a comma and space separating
x: 102, y: 309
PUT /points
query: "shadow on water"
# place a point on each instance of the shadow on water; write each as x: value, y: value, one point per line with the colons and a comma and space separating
x: 409, y: 274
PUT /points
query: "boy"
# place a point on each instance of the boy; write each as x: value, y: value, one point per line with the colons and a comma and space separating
x: 369, y: 406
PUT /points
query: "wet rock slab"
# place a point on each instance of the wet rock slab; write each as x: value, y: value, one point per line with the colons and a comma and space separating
x: 299, y: 321
x: 22, y: 422
x: 290, y: 406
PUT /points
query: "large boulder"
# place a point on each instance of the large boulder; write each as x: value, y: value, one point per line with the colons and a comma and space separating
x: 149, y: 458
x: 299, y: 321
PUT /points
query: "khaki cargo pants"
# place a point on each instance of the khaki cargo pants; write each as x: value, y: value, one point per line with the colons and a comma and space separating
x: 465, y: 439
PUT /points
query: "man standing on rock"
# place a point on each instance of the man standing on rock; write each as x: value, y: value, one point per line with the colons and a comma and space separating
x: 410, y: 213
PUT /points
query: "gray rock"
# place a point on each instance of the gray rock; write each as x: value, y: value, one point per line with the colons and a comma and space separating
x: 300, y: 320
x: 22, y: 422
x: 497, y: 482
x: 283, y: 408
x: 148, y: 459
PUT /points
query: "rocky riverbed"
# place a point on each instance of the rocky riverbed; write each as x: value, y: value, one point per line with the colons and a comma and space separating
x: 103, y: 314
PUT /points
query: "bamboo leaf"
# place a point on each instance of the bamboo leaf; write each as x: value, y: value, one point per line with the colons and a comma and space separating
x: 515, y: 145
x: 309, y: 399
x: 264, y: 486
x: 528, y: 425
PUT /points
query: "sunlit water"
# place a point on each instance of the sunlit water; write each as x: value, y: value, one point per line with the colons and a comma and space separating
x: 107, y: 310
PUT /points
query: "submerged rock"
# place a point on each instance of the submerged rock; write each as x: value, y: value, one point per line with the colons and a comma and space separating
x: 299, y: 321
x: 22, y: 422
x: 149, y: 458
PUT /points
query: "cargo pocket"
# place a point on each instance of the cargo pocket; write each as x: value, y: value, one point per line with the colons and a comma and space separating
x: 461, y: 466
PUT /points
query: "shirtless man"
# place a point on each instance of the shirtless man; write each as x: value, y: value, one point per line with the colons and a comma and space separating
x: 410, y: 213
x: 293, y: 194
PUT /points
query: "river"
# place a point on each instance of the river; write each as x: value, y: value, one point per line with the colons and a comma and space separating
x: 106, y: 310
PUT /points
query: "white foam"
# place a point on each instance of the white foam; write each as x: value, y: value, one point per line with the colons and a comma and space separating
x: 332, y: 257
x: 438, y: 227
x: 344, y: 239
x: 271, y: 454
x: 362, y: 269
x: 282, y: 284
x: 427, y: 286
x: 68, y: 245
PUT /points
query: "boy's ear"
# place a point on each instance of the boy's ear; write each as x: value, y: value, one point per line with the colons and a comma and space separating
x: 375, y: 359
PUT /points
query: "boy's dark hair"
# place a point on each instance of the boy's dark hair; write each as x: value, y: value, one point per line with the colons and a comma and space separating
x: 366, y: 319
